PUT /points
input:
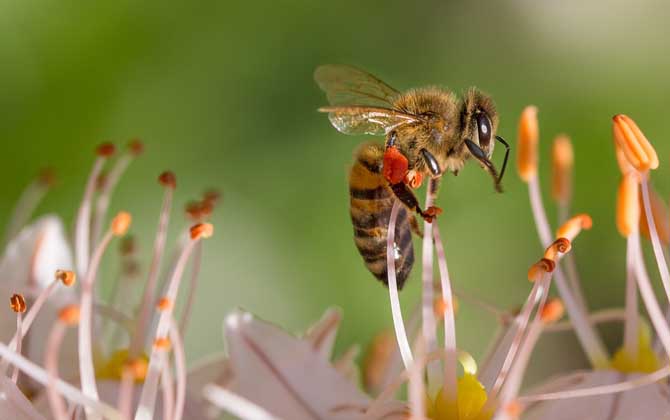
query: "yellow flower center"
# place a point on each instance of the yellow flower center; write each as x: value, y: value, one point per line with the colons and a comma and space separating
x: 469, y: 405
x: 646, y: 360
x: 113, y: 367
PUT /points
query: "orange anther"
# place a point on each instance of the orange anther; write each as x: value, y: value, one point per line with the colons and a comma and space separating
x: 67, y: 277
x: 634, y: 144
x: 164, y: 304
x: 162, y: 343
x: 559, y: 246
x: 168, y: 179
x: 571, y: 228
x: 105, y: 150
x: 562, y: 161
x: 202, y: 230
x: 527, y: 145
x: 135, y: 147
x: 138, y: 368
x: 552, y: 311
x: 17, y: 303
x: 69, y: 315
x: 627, y: 206
x: 540, y: 268
x: 121, y: 223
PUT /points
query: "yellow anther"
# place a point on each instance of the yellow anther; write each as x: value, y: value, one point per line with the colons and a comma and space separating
x: 121, y: 223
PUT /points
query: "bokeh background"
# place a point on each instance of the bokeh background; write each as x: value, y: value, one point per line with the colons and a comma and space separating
x: 221, y: 92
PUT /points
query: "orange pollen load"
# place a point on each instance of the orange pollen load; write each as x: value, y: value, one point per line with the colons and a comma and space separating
x: 164, y: 304
x: 561, y: 174
x: 162, y: 343
x: 67, y: 277
x: 121, y: 223
x: 69, y: 315
x: 395, y: 165
x: 634, y: 144
x: 168, y: 179
x: 573, y: 226
x: 540, y: 268
x: 202, y: 230
x: 135, y: 147
x: 17, y: 303
x: 627, y: 207
x: 529, y: 134
x: 106, y: 150
x: 552, y: 311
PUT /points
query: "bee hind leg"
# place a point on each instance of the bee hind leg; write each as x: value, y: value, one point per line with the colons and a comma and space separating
x: 407, y: 197
x: 414, y: 226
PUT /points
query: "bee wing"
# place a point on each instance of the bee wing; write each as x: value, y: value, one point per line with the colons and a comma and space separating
x: 366, y: 119
x: 346, y: 85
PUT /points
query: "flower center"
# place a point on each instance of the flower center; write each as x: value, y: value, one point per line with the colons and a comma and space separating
x: 646, y: 360
x: 469, y: 405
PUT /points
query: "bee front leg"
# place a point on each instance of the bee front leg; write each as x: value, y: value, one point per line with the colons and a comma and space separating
x: 407, y: 197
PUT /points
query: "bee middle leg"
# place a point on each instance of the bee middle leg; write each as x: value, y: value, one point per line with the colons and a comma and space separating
x: 407, y: 197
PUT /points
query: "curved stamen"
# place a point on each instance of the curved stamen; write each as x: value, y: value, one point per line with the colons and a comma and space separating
x: 450, y: 381
x: 168, y: 180
x: 146, y: 407
x: 398, y: 323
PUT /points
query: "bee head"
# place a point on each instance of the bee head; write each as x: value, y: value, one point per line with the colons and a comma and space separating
x: 479, y: 120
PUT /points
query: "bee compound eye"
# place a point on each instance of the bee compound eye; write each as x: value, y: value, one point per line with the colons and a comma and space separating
x: 483, y: 130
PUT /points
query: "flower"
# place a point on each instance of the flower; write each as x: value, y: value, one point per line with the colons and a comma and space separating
x: 627, y: 386
x: 115, y: 380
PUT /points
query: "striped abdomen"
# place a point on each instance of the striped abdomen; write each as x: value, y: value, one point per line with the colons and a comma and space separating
x: 370, y: 207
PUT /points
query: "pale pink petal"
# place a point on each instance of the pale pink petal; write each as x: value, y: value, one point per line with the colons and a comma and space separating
x: 109, y: 392
x: 646, y: 402
x: 322, y: 334
x: 13, y: 404
x: 284, y: 375
x: 28, y: 266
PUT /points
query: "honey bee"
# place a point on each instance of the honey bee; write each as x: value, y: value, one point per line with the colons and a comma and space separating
x: 429, y: 131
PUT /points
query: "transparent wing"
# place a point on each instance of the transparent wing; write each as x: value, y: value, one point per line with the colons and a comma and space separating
x: 346, y: 85
x: 366, y: 119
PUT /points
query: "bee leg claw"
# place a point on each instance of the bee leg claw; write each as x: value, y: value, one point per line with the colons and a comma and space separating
x: 430, y: 213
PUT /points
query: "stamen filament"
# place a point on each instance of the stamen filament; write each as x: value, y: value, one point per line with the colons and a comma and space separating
x: 104, y: 196
x: 587, y: 335
x: 648, y: 296
x: 28, y: 320
x: 167, y: 386
x: 416, y: 388
x: 655, y: 241
x: 193, y: 287
x: 235, y: 404
x: 51, y: 364
x: 428, y: 325
x: 25, y: 206
x: 450, y: 381
x: 600, y: 389
x: 180, y: 369
x: 398, y: 323
x: 19, y: 339
x: 83, y: 220
x: 631, y: 323
x: 150, y: 287
x: 86, y: 368
x: 146, y: 407
x: 68, y: 391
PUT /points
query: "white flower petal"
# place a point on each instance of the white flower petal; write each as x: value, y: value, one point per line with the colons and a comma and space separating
x: 284, y: 375
x: 13, y: 404
x: 646, y: 402
x: 28, y: 266
x: 322, y: 334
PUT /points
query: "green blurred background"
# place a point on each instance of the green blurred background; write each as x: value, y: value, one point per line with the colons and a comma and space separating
x: 222, y: 93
